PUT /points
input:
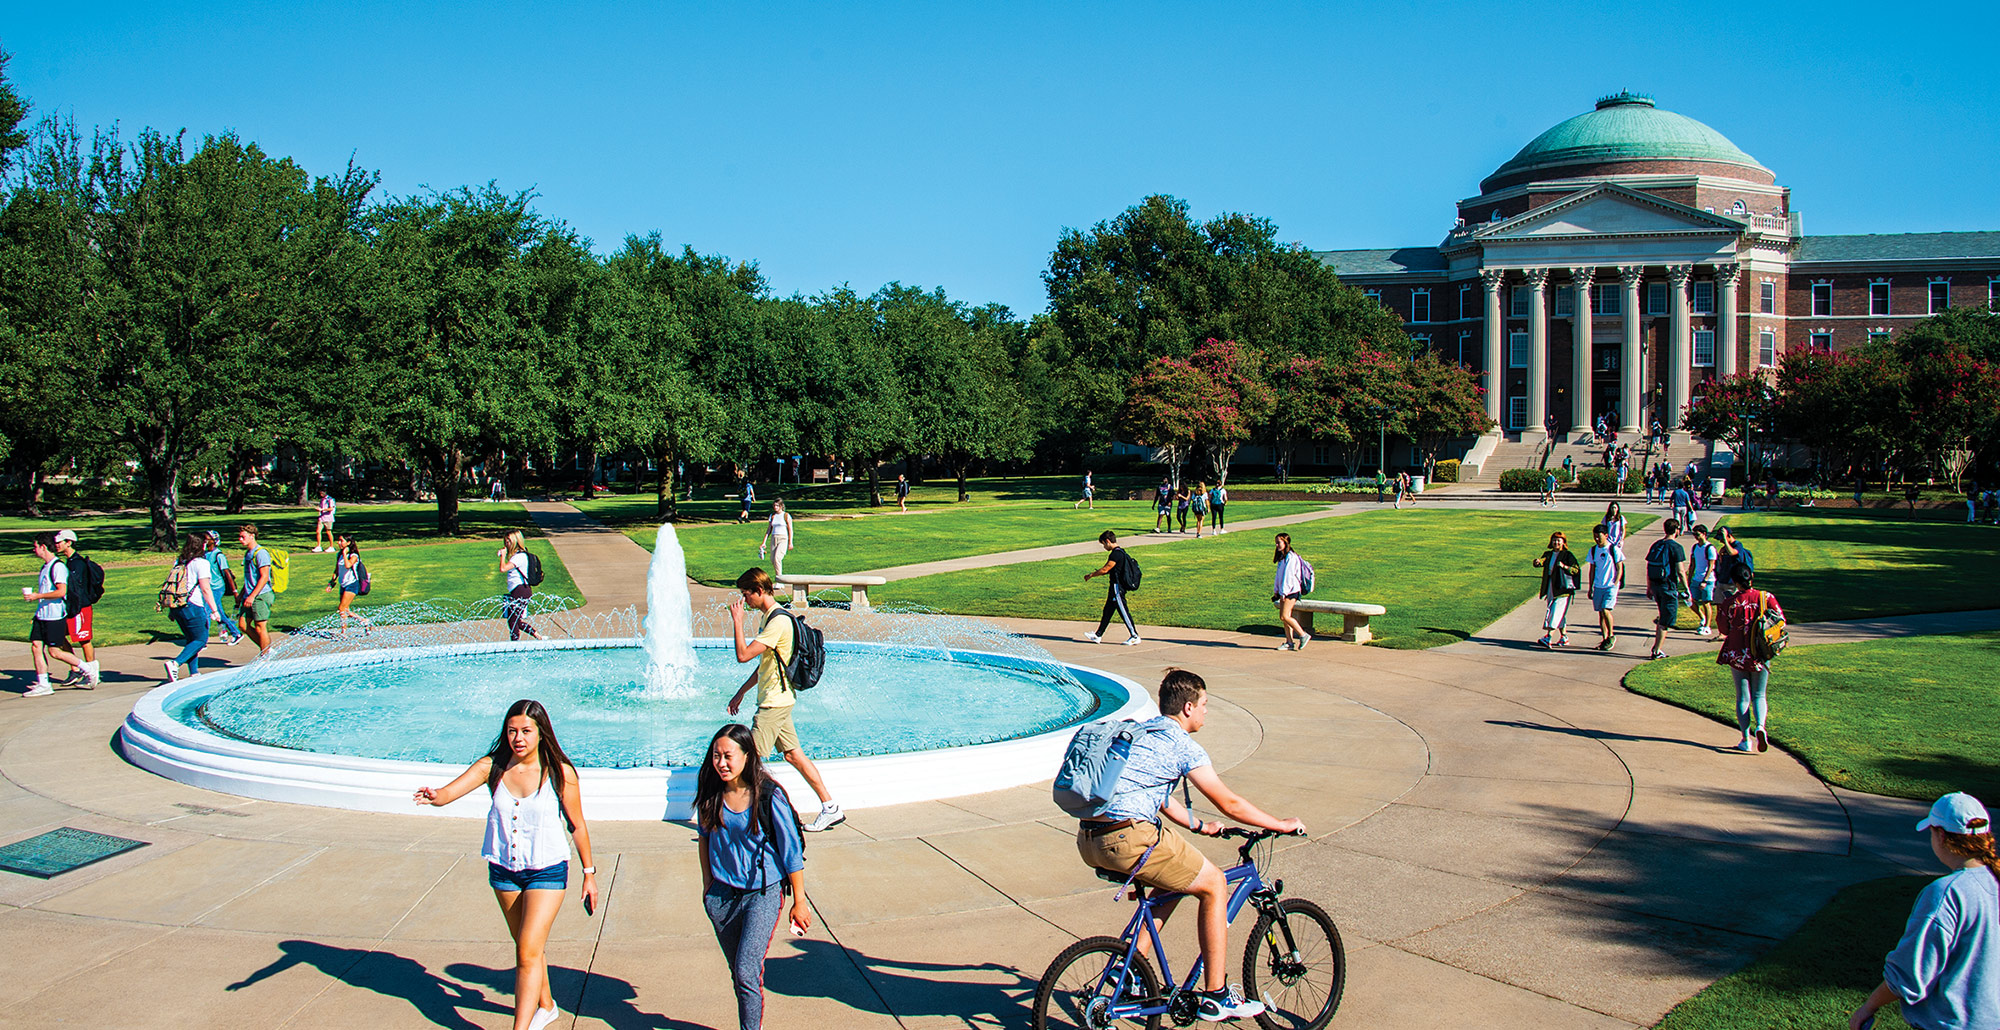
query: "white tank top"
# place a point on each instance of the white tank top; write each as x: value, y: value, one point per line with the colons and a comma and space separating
x: 526, y: 833
x: 780, y: 527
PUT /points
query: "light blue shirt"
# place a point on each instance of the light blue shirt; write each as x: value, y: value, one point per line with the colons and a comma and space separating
x: 740, y: 856
x: 1604, y: 563
x: 1944, y: 967
x: 1157, y: 761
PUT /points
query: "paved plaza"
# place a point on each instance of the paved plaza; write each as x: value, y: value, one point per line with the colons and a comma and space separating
x: 1505, y: 836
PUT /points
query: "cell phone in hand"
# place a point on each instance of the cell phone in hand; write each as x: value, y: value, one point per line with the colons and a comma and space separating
x: 798, y: 931
x: 588, y: 908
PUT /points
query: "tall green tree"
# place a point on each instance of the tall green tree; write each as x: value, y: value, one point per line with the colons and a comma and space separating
x: 964, y: 405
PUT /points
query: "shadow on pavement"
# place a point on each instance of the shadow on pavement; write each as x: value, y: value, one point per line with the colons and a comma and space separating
x: 903, y: 988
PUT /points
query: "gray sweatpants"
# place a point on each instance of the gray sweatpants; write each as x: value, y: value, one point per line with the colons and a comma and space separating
x: 744, y: 921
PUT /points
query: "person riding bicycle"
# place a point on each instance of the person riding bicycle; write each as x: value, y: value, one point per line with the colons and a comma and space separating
x: 1130, y: 837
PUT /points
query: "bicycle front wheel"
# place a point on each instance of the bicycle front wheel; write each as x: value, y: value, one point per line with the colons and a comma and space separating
x: 1078, y: 989
x: 1295, y: 964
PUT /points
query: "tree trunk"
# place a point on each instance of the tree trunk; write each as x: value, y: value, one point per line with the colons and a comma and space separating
x: 448, y: 466
x: 874, y: 481
x: 163, y: 497
x: 237, y: 479
x: 37, y: 482
x: 668, y: 506
x: 961, y: 468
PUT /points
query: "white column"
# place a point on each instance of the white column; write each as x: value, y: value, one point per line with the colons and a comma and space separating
x: 1725, y: 339
x: 1580, y: 281
x: 1631, y: 373
x: 1538, y: 355
x: 1495, y: 280
x: 1679, y: 356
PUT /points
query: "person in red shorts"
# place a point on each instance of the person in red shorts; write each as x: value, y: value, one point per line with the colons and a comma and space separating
x: 78, y: 624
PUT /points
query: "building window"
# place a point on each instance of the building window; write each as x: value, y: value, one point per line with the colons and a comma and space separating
x: 1422, y: 342
x: 1878, y: 336
x: 1322, y: 455
x: 1704, y: 298
x: 1993, y: 295
x: 1878, y: 298
x: 1822, y: 298
x: 1767, y: 347
x: 1607, y: 299
x: 1738, y: 209
x: 1704, y: 348
x: 1767, y: 297
x: 1518, y: 305
x: 1656, y: 298
x: 1821, y: 341
x: 1517, y: 350
x: 1607, y: 359
x: 1374, y: 295
x: 1940, y: 296
x: 1565, y: 301
x: 1517, y: 413
x: 1420, y: 306
x: 1463, y: 339
x: 1464, y: 303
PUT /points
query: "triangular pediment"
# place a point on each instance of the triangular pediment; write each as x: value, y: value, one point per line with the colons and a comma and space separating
x: 1609, y: 210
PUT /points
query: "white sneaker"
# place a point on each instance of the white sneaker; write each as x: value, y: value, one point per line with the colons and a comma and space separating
x: 1092, y: 638
x: 1704, y: 632
x: 318, y: 550
x: 1129, y: 641
x: 1302, y: 644
x: 173, y: 671
x: 1227, y: 1003
x: 1286, y: 646
x: 830, y: 816
x: 543, y: 1017
x: 91, y: 676
x: 235, y: 639
x: 40, y: 689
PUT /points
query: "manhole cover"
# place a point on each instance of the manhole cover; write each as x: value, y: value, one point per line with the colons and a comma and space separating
x: 59, y: 851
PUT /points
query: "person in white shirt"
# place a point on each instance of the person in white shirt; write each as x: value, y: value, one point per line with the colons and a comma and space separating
x: 323, y: 526
x: 778, y: 537
x: 1287, y: 586
x: 1604, y: 570
x: 49, y: 634
x: 191, y: 601
x: 514, y: 562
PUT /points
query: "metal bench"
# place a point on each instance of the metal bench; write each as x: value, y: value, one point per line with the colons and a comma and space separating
x: 1354, y: 616
x: 858, y: 585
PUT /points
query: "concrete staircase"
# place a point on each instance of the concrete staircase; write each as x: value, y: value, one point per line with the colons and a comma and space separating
x: 1584, y: 452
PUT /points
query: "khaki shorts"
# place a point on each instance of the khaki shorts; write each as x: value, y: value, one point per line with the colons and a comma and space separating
x: 771, y: 731
x: 1172, y: 866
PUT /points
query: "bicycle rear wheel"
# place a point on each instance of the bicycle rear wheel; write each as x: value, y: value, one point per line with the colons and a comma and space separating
x: 1297, y: 967
x: 1076, y: 992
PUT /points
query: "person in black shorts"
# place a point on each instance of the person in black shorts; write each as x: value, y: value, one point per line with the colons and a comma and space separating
x: 1666, y: 581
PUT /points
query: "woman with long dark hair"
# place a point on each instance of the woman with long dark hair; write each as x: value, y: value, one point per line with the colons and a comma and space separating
x: 348, y: 572
x: 1287, y: 586
x: 752, y: 854
x: 535, y: 793
x: 190, y: 599
x: 1940, y: 972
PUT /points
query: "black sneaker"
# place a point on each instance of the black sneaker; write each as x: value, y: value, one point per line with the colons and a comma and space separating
x: 1227, y: 1003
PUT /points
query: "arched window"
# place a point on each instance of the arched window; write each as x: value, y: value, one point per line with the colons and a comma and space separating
x: 1737, y: 208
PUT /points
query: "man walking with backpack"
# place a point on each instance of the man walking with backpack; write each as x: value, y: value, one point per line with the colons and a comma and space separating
x: 773, y: 649
x: 85, y: 587
x: 1123, y: 571
x: 259, y: 588
x: 1666, y: 581
x: 1125, y: 834
x: 48, y: 637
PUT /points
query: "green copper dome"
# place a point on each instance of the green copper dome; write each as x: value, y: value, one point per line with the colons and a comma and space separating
x: 1625, y: 127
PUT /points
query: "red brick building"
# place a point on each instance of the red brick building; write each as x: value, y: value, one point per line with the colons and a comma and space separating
x: 1683, y: 256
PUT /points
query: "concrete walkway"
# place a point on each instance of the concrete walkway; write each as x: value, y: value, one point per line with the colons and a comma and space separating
x: 1505, y: 836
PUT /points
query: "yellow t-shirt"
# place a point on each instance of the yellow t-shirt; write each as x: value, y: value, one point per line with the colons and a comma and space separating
x: 775, y: 634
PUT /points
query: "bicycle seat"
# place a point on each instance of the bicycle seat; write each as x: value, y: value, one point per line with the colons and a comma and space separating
x: 1110, y: 877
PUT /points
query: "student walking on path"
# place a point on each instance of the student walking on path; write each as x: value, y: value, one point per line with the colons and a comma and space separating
x: 1403, y: 490
x: 348, y: 575
x: 778, y: 537
x: 514, y: 562
x: 1122, y: 575
x: 1218, y: 499
x: 323, y: 526
x: 1730, y: 553
x: 1163, y: 506
x: 902, y: 492
x: 1562, y: 575
x: 1739, y: 618
x: 1614, y: 527
x: 1198, y: 503
x: 258, y: 589
x: 225, y: 584
x: 535, y: 793
x: 48, y: 636
x: 749, y: 498
x: 1941, y: 971
x: 752, y: 857
x: 772, y: 648
x: 1666, y: 582
x: 1701, y: 581
x: 190, y: 599
x: 1089, y: 494
x: 1181, y: 506
x: 1290, y: 582
x: 80, y: 616
x: 1605, y: 568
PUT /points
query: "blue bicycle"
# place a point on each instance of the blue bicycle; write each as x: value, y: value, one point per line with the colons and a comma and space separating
x: 1293, y: 961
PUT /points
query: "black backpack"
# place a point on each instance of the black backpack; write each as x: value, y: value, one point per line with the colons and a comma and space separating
x: 86, y: 585
x: 808, y: 656
x: 1660, y: 562
x: 1128, y: 573
x: 534, y: 569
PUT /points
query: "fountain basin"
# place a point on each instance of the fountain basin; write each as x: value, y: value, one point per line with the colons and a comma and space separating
x: 362, y: 730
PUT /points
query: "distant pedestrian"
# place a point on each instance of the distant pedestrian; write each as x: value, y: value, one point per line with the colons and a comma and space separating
x: 1666, y: 581
x: 1089, y: 494
x: 1600, y: 428
x: 515, y: 564
x: 1292, y: 580
x: 47, y: 635
x: 323, y: 525
x: 1739, y: 618
x: 1683, y: 503
x: 1623, y: 469
x: 1604, y: 566
x: 1548, y: 488
x: 348, y: 575
x: 1562, y: 576
x: 1381, y: 485
x: 536, y: 797
x: 1120, y: 572
x: 1941, y: 971
x: 1402, y: 488
x: 258, y: 591
x: 496, y: 493
x: 1569, y: 469
x: 752, y: 855
x: 779, y: 537
x: 771, y: 728
x: 189, y: 597
x: 1218, y: 499
x: 225, y: 585
x: 1730, y: 553
x: 902, y: 491
x: 749, y: 498
x: 1181, y: 506
x: 1198, y: 504
x: 78, y: 606
x: 1693, y: 471
x: 1701, y: 580
x: 1163, y: 506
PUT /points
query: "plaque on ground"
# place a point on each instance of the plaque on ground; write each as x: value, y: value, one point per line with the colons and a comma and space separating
x: 59, y: 851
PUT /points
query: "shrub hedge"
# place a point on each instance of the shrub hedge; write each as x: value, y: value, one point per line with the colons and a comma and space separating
x: 1525, y: 481
x: 1446, y: 471
x: 1603, y: 481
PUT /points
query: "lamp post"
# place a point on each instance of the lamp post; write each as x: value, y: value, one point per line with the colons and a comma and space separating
x: 1382, y: 413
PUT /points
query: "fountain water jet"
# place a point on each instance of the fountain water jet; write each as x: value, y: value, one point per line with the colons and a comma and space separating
x: 669, y: 625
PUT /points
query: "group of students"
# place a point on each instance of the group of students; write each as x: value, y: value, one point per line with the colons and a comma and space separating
x: 200, y: 587
x: 62, y: 598
x: 1293, y: 580
x: 1171, y: 502
x: 751, y: 837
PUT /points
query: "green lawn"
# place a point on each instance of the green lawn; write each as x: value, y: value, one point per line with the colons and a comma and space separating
x: 1817, y: 976
x: 714, y: 501
x: 1913, y: 718
x: 1826, y: 567
x: 462, y: 570
x: 1442, y: 573
x: 717, y: 553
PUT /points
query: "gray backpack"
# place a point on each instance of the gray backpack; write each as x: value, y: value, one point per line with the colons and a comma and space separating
x: 1096, y: 758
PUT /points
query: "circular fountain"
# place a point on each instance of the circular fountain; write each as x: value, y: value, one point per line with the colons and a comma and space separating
x: 912, y: 707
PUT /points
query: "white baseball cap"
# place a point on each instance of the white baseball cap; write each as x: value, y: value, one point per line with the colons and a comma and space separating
x: 65, y: 534
x: 1958, y: 813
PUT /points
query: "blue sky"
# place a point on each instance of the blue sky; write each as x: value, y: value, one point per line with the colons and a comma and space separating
x: 948, y: 144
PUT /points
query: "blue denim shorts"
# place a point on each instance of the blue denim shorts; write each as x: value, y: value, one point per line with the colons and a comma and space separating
x: 547, y: 878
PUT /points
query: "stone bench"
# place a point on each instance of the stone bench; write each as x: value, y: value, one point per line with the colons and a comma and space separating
x: 1355, y: 616
x: 858, y: 585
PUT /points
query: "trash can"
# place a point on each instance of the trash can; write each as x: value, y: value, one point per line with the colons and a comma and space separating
x: 1416, y: 484
x: 1718, y: 487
